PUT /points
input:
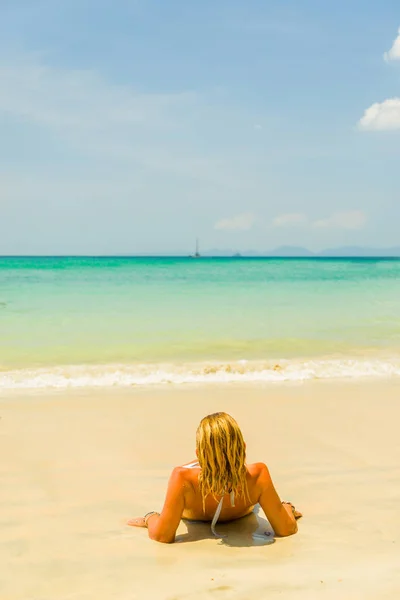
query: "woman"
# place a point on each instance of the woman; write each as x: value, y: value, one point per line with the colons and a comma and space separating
x: 218, y: 486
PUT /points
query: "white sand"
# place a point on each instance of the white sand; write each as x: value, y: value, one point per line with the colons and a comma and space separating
x: 74, y: 467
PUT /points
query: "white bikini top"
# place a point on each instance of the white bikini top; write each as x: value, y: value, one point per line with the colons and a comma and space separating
x: 196, y: 465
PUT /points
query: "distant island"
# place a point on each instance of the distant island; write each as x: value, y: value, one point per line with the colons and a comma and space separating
x: 300, y: 252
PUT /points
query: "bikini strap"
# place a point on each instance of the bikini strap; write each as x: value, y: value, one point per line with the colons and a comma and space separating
x: 218, y: 512
x: 192, y: 465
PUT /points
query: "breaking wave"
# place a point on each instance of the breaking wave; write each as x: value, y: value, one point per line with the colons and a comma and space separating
x: 112, y: 375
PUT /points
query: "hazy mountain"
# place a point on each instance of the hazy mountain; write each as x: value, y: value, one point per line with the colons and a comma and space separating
x: 355, y: 251
x: 290, y: 251
x: 300, y: 252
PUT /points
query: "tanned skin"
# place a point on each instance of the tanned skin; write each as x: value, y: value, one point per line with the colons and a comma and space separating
x: 184, y: 500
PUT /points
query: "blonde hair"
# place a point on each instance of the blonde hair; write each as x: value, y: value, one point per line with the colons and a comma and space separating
x: 221, y: 452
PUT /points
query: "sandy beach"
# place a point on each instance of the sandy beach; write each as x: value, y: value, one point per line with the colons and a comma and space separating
x: 76, y: 466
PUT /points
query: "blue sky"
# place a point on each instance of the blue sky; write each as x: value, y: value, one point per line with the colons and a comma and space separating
x: 133, y: 126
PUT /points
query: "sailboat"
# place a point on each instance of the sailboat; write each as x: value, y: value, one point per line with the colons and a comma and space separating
x: 197, y: 253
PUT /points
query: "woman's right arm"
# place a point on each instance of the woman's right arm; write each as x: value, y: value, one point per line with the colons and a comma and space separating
x: 280, y: 515
x: 162, y: 527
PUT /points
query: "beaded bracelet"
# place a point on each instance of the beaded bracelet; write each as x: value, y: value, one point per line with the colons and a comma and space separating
x: 291, y: 506
x: 150, y: 514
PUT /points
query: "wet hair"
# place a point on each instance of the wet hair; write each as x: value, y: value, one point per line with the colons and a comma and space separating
x: 221, y: 452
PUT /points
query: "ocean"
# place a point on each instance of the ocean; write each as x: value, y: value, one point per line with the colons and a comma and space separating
x: 83, y: 322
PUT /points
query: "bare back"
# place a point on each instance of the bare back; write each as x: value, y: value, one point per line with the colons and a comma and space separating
x: 184, y: 500
x: 193, y: 501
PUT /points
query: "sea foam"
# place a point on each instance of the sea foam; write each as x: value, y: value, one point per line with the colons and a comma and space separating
x: 112, y: 375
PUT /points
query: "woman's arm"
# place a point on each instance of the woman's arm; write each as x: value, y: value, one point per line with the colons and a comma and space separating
x: 162, y: 528
x: 281, y: 515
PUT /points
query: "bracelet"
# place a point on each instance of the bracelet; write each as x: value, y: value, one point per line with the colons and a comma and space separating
x: 150, y: 514
x: 291, y: 506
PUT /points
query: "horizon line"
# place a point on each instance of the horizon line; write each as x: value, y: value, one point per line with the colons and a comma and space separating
x: 318, y: 256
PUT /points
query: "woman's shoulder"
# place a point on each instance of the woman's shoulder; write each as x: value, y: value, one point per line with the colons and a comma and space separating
x: 181, y: 479
x: 184, y: 473
x: 258, y: 469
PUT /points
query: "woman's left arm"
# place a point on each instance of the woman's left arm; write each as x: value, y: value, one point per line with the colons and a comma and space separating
x: 162, y: 527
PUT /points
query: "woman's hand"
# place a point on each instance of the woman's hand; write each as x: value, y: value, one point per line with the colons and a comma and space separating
x: 296, y: 513
x: 138, y: 522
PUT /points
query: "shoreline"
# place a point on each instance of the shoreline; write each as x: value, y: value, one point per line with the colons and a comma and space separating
x: 276, y: 388
x: 113, y: 376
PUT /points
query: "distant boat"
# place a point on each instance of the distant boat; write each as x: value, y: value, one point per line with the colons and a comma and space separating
x: 197, y: 253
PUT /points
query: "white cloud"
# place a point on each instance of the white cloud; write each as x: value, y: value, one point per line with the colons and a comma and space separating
x: 394, y: 52
x: 241, y: 222
x: 352, y: 219
x: 290, y: 220
x: 382, y: 116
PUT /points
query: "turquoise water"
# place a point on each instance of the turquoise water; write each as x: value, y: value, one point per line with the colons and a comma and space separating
x: 125, y: 320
